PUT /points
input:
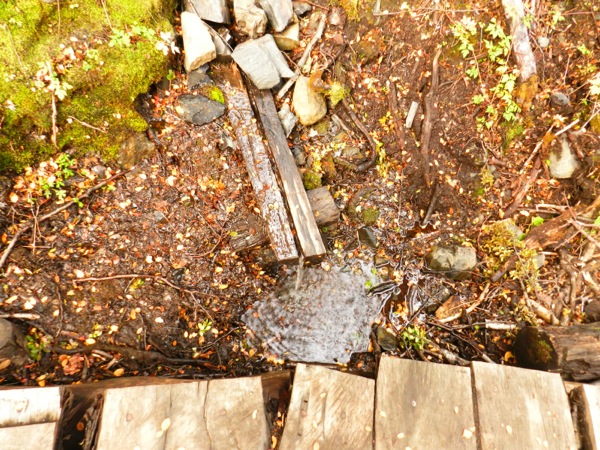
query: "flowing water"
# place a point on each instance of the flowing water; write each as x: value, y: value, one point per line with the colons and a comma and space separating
x: 317, y: 315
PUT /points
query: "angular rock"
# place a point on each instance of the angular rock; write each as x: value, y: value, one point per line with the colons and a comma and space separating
x: 250, y: 19
x: 301, y: 8
x: 288, y: 39
x: 279, y: 12
x: 197, y: 79
x: 135, y: 149
x: 198, y: 109
x: 457, y: 262
x: 197, y: 41
x: 288, y: 119
x: 262, y: 61
x: 309, y: 106
x: 211, y: 10
x: 367, y: 237
x: 563, y: 165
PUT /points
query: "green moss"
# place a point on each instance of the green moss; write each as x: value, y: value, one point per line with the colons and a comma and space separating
x: 216, y: 94
x: 97, y: 111
x: 336, y: 93
x: 595, y: 124
x: 311, y: 180
x: 513, y: 131
x: 369, y: 216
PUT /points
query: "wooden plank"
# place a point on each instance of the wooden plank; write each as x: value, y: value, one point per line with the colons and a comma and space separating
x: 29, y: 406
x: 262, y: 177
x: 520, y: 408
x: 306, y: 227
x: 235, y: 415
x: 38, y: 436
x: 423, y: 405
x: 329, y: 410
x: 587, y: 398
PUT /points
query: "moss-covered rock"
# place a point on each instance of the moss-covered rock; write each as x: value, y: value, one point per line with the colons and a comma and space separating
x: 94, y: 60
x: 312, y: 180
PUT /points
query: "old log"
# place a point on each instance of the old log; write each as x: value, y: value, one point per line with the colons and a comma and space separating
x: 262, y: 177
x: 251, y: 232
x: 306, y: 227
x: 573, y: 351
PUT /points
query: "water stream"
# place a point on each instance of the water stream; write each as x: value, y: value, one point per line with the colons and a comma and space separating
x: 317, y: 315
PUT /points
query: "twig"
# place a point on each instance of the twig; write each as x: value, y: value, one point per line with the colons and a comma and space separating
x: 434, y: 198
x: 363, y: 167
x: 85, y: 124
x: 27, y: 226
x: 398, y: 125
x: 471, y: 307
x: 24, y: 316
x: 288, y: 84
x: 428, y: 109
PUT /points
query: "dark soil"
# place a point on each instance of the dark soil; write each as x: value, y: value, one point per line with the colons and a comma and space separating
x: 141, y: 280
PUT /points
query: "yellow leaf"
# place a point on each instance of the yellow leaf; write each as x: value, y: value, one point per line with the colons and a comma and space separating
x: 119, y: 372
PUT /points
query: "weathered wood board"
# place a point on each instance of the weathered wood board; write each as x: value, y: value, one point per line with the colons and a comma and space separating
x: 219, y: 414
x: 329, y: 410
x: 262, y: 177
x: 29, y: 406
x: 423, y: 405
x: 38, y: 436
x: 588, y: 399
x: 519, y: 408
x: 305, y: 225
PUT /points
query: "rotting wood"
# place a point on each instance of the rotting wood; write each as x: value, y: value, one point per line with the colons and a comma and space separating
x: 573, y: 351
x: 252, y: 233
x: 519, y: 408
x: 307, y: 231
x: 587, y: 400
x: 255, y: 155
x: 329, y: 409
x: 423, y: 405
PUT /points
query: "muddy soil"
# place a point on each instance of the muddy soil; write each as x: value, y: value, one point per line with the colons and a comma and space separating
x: 141, y: 279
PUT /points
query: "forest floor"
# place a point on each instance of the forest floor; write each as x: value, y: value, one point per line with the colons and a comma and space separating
x: 139, y: 277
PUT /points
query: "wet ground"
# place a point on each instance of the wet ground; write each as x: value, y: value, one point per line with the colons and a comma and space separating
x: 140, y: 278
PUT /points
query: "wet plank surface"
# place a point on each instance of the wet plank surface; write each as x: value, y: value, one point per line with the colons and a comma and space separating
x: 329, y: 410
x: 423, y: 405
x: 519, y: 408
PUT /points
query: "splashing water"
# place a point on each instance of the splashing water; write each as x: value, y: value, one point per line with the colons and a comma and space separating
x: 324, y: 319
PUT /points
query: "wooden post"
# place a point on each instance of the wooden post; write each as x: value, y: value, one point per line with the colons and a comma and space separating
x: 573, y: 351
x: 307, y: 230
x: 255, y: 155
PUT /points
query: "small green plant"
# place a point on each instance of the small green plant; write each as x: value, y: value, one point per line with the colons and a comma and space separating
x: 37, y: 344
x: 336, y: 93
x: 216, y: 94
x: 204, y: 327
x: 414, y: 337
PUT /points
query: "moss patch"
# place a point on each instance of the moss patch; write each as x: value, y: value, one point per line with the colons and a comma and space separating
x: 101, y: 60
x: 312, y: 180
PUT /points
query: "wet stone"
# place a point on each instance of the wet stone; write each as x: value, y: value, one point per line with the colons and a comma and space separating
x: 455, y: 261
x: 325, y: 320
x: 198, y: 109
x: 367, y: 237
x: 198, y: 79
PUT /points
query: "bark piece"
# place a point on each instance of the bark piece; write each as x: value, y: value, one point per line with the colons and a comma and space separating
x: 573, y: 351
x: 197, y: 42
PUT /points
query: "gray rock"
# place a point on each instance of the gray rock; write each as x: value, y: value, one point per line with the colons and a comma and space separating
x: 197, y: 41
x: 198, y: 109
x: 134, y: 150
x: 262, y: 61
x: 198, y: 79
x: 367, y: 237
x: 299, y: 156
x: 250, y: 19
x: 563, y: 165
x: 288, y: 39
x: 559, y: 99
x: 457, y: 262
x: 221, y: 41
x: 211, y: 10
x: 99, y: 170
x: 288, y: 118
x: 309, y: 106
x: 543, y: 42
x: 301, y: 8
x: 279, y: 12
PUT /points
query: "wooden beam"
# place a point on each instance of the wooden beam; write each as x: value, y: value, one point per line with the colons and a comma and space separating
x: 423, y: 405
x: 262, y: 177
x: 307, y: 231
x: 520, y: 408
x: 37, y: 436
x: 587, y: 399
x: 329, y: 410
x: 28, y: 406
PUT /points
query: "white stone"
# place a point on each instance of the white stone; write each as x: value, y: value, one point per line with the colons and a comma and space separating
x: 279, y: 12
x: 211, y: 10
x: 309, y: 106
x: 249, y: 18
x: 564, y: 165
x: 197, y: 42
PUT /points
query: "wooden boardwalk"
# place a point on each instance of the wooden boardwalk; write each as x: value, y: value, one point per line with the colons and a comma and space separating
x: 411, y: 405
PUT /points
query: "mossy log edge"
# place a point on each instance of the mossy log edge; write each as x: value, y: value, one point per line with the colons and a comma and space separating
x: 573, y: 351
